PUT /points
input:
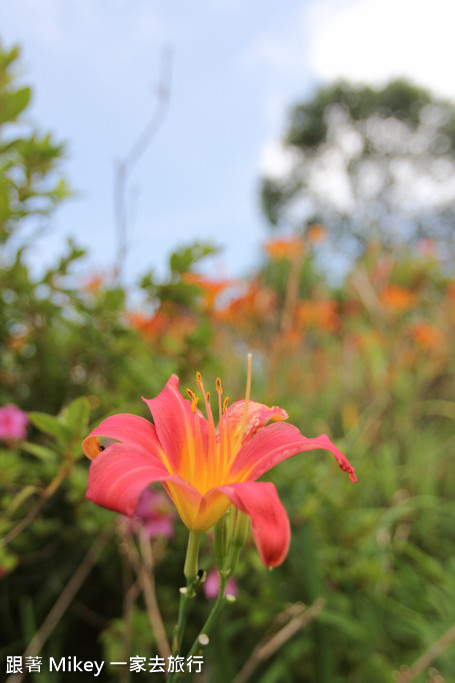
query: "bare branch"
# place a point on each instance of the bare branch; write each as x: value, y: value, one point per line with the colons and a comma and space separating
x: 63, y: 601
x: 424, y: 661
x: 36, y: 509
x: 299, y: 616
x: 144, y: 569
x: 126, y: 166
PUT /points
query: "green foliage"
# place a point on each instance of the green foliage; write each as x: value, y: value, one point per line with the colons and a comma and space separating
x: 185, y: 258
x: 29, y: 183
x: 401, y: 99
x: 356, y: 156
x: 371, y: 363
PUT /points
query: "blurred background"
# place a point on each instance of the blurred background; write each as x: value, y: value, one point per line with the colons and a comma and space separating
x: 179, y: 187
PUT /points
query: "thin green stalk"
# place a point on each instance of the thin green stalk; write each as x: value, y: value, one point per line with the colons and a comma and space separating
x: 187, y: 593
x: 213, y: 616
x: 203, y: 637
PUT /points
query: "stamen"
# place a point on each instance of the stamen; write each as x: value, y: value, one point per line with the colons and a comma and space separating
x: 208, y: 457
x: 228, y: 438
x: 247, y: 399
x: 211, y: 464
x: 222, y: 461
x: 194, y: 400
x: 225, y: 404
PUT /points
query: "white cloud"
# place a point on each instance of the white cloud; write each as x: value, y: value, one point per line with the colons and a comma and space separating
x: 375, y: 40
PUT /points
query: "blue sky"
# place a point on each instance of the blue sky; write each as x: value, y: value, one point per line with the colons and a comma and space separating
x: 237, y: 67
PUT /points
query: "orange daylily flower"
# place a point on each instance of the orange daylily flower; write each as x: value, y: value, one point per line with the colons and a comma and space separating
x: 211, y: 289
x: 258, y: 303
x: 396, y: 298
x: 94, y: 284
x: 316, y: 233
x: 204, y: 469
x: 149, y: 326
x: 161, y: 323
x: 427, y: 336
x: 320, y: 314
x: 282, y: 249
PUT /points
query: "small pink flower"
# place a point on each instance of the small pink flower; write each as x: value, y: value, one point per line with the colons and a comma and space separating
x: 13, y: 422
x: 156, y: 513
x: 212, y: 585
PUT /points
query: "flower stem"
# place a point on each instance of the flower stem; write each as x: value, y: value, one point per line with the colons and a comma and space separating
x: 203, y: 637
x: 213, y: 616
x: 191, y: 561
x: 187, y: 593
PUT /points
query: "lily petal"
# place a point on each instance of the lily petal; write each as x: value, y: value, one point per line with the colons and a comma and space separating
x: 176, y: 424
x: 257, y: 417
x: 277, y: 442
x: 120, y: 474
x: 125, y: 428
x: 269, y: 521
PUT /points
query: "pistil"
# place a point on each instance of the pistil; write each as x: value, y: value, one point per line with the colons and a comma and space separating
x: 222, y: 460
x: 247, y: 400
x: 212, y: 455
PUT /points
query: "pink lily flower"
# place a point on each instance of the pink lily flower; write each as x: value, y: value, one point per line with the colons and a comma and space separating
x: 203, y: 468
x: 13, y: 423
x: 155, y: 513
x: 211, y: 585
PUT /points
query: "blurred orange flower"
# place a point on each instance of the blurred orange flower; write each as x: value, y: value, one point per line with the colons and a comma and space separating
x: 396, y: 299
x: 427, y: 336
x: 321, y: 314
x: 93, y: 284
x: 257, y: 304
x: 210, y: 289
x: 163, y: 325
x: 149, y: 326
x: 283, y: 249
x: 316, y: 233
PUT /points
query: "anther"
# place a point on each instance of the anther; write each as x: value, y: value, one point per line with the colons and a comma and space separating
x: 219, y: 388
x: 199, y: 380
x: 225, y: 404
x: 194, y: 400
x: 207, y: 396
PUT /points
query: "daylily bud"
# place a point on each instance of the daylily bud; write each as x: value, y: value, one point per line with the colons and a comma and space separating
x: 240, y: 525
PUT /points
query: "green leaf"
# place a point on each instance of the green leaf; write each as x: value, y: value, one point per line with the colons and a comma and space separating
x: 184, y: 258
x: 12, y: 104
x: 42, y: 452
x: 8, y: 560
x: 49, y: 424
x: 76, y: 415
